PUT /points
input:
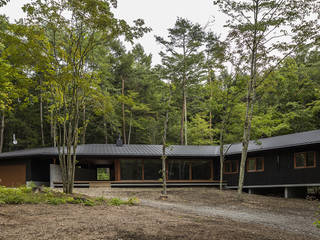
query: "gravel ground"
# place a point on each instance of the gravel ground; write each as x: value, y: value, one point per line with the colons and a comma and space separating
x: 69, y: 222
x: 292, y: 215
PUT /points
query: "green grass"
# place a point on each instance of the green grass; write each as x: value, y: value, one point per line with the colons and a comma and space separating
x: 25, y: 195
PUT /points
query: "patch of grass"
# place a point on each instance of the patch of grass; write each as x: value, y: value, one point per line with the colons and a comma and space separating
x: 118, y: 201
x: 26, y: 195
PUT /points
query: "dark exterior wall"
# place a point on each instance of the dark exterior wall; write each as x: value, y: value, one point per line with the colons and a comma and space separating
x: 39, y: 169
x: 82, y: 174
x: 278, y: 173
x: 216, y: 169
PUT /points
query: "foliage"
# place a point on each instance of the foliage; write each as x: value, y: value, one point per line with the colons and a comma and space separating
x: 102, y: 174
x: 26, y: 195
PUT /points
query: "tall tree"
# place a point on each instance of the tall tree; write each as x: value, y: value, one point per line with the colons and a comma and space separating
x: 183, y: 60
x: 260, y: 29
x: 214, y: 59
x: 74, y: 29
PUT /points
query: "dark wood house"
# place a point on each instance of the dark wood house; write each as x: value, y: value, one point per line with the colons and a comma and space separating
x: 288, y: 163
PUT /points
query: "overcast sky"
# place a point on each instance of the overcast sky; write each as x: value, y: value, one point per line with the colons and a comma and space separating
x: 158, y: 14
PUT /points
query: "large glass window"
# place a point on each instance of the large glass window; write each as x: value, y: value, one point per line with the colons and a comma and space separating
x: 201, y: 170
x: 305, y: 159
x: 178, y: 170
x: 131, y: 169
x: 189, y: 169
x: 255, y: 164
x: 152, y: 169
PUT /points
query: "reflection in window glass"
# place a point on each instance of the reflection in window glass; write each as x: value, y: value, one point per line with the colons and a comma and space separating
x: 152, y: 169
x: 251, y: 164
x: 259, y: 163
x: 178, y: 170
x: 201, y: 169
x: 300, y: 159
x: 310, y: 159
x: 131, y: 169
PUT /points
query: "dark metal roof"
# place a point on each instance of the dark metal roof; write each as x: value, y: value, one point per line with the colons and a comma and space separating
x: 134, y: 150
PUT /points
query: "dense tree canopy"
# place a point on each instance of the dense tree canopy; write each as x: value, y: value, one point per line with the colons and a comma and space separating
x: 120, y: 90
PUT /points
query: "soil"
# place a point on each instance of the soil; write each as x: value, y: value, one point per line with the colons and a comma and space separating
x: 186, y: 214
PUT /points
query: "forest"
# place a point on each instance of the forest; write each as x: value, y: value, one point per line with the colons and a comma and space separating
x: 66, y: 76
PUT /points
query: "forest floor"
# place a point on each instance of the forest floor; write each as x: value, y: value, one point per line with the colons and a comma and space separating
x: 198, y: 213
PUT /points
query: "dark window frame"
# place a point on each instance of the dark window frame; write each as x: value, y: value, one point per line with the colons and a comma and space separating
x: 255, y: 164
x: 305, y: 160
x: 230, y: 162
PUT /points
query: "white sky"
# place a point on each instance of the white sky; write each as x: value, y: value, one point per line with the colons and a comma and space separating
x: 158, y: 14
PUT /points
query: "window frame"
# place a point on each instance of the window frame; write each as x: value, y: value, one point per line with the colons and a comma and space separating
x: 255, y: 164
x: 305, y: 160
x: 230, y: 161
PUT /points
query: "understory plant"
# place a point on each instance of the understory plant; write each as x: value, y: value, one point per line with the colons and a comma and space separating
x: 27, y: 195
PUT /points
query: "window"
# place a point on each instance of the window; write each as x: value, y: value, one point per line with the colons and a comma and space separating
x: 231, y: 167
x: 178, y: 170
x: 201, y: 169
x: 305, y: 159
x: 152, y: 169
x: 255, y: 164
x: 194, y: 169
x: 131, y: 169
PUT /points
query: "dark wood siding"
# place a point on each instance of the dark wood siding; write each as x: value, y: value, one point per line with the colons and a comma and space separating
x: 278, y: 169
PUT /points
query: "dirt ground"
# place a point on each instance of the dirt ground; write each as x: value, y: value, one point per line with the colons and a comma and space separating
x: 148, y: 221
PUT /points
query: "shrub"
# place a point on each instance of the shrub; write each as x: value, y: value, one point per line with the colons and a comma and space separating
x: 101, y: 200
x: 56, y: 201
x: 116, y: 202
x: 25, y: 194
x: 89, y: 203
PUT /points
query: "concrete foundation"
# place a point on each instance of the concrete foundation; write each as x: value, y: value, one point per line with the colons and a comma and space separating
x: 295, y: 192
x: 55, y: 174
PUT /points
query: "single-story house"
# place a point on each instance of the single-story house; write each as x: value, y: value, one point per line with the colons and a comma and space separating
x: 288, y: 163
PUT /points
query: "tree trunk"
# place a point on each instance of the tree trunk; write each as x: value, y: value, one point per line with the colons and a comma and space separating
x: 210, y: 112
x: 123, y: 115
x: 54, y: 133
x: 130, y: 126
x: 250, y: 103
x: 2, y: 131
x: 105, y: 132
x: 41, y: 117
x: 185, y: 121
x: 182, y: 116
x: 84, y: 125
x: 164, y: 142
x: 221, y: 154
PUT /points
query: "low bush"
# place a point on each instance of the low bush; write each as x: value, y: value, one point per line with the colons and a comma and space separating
x: 116, y: 202
x: 26, y: 195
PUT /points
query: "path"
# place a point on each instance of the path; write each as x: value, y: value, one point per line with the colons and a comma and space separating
x: 293, y: 223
